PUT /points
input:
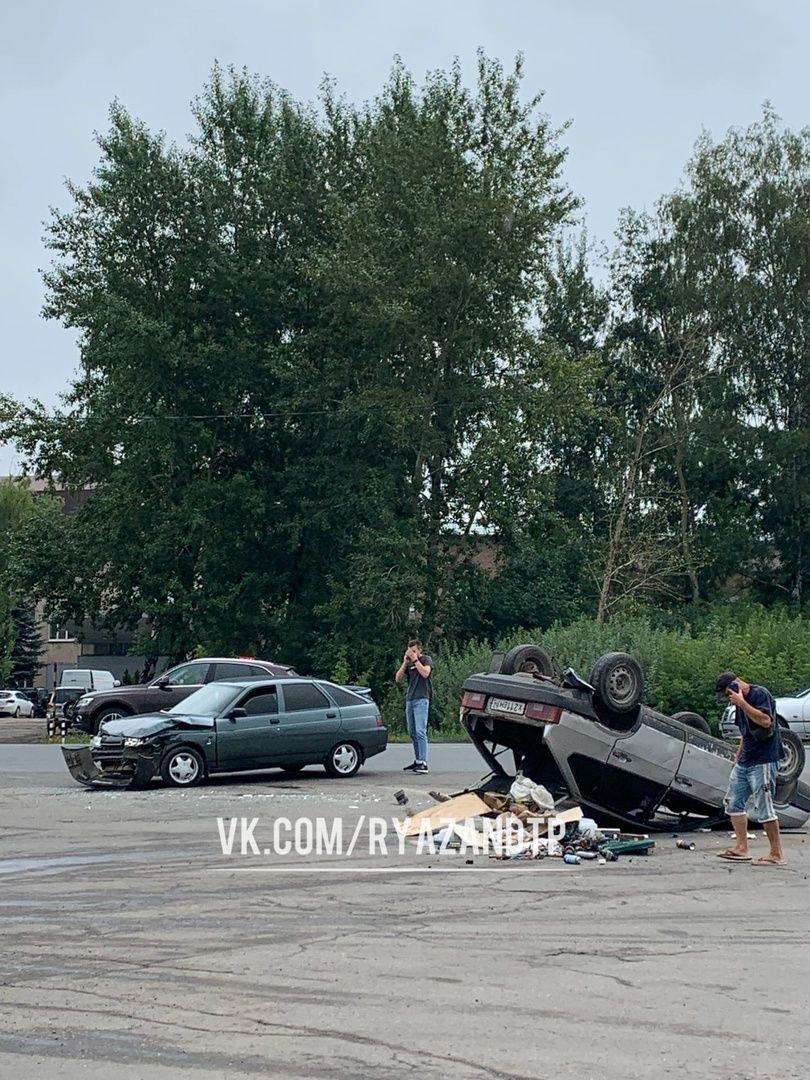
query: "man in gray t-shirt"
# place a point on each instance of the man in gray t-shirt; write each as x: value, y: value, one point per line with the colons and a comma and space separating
x: 417, y: 669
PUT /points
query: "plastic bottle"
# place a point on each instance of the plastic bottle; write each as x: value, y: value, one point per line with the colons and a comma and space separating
x: 571, y: 858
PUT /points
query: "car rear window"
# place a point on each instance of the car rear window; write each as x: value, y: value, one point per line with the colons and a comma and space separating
x: 344, y: 697
x: 301, y: 696
x: 234, y: 671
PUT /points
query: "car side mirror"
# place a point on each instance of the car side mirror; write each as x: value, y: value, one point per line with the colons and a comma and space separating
x: 162, y: 682
x: 237, y: 713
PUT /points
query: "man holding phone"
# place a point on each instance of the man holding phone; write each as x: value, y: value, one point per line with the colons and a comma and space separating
x: 755, y: 768
x: 417, y: 668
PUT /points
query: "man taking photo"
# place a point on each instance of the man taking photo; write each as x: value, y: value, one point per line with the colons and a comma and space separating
x: 755, y: 768
x: 417, y: 668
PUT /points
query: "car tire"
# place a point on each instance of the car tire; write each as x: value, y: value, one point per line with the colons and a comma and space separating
x: 693, y: 720
x: 528, y: 660
x: 182, y: 767
x: 343, y: 760
x: 618, y: 681
x: 792, y: 764
x: 17, y: 712
x: 112, y: 712
x: 69, y: 710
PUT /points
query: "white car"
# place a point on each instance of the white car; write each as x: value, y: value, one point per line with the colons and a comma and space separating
x: 793, y: 713
x: 15, y: 703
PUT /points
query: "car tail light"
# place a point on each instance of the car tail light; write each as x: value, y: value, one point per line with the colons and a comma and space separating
x: 380, y: 720
x: 550, y: 713
x: 473, y: 701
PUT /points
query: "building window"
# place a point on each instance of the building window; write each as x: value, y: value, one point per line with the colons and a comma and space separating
x: 108, y: 648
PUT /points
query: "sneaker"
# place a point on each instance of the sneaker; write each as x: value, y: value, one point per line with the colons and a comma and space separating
x: 414, y: 765
x: 421, y: 767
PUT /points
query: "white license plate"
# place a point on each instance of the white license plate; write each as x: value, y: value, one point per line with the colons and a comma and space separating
x: 503, y: 705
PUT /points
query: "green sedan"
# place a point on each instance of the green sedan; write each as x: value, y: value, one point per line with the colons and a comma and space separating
x: 236, y: 726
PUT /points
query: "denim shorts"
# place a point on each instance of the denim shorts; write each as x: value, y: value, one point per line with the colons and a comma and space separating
x: 754, y: 783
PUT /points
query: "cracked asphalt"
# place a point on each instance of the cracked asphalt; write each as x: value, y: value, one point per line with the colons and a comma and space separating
x: 132, y: 947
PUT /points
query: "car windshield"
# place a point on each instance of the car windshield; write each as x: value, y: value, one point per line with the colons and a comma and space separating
x: 209, y: 700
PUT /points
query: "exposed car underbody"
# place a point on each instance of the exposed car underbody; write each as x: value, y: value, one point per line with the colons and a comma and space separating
x: 640, y: 768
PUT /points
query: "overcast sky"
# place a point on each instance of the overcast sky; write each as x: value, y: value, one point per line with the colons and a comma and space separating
x: 638, y: 79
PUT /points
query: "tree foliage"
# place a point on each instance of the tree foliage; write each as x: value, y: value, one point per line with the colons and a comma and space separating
x: 345, y: 377
x: 312, y: 370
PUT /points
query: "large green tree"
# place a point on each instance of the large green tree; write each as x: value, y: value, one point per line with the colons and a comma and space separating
x: 747, y: 213
x: 311, y: 364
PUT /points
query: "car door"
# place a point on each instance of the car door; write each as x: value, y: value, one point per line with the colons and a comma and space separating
x: 642, y: 765
x: 580, y: 746
x: 309, y: 722
x: 250, y: 741
x: 804, y: 701
x: 704, y: 770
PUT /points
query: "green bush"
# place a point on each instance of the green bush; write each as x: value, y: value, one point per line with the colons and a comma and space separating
x: 680, y: 662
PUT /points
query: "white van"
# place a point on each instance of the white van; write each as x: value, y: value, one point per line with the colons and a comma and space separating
x: 87, y: 679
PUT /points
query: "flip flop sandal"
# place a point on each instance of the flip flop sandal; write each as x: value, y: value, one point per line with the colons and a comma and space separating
x: 732, y: 856
x: 764, y: 861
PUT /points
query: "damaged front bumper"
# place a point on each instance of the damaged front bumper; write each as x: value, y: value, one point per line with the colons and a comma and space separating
x: 133, y: 768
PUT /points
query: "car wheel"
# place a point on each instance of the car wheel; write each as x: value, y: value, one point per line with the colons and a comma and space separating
x: 183, y: 767
x: 17, y: 711
x: 528, y: 660
x: 693, y: 720
x: 791, y: 765
x: 618, y: 681
x: 115, y: 712
x: 343, y: 760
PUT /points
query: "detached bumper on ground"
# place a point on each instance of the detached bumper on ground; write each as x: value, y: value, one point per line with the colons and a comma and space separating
x: 134, y: 768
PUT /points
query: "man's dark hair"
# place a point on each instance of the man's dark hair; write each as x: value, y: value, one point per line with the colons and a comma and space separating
x: 414, y: 641
x: 724, y: 681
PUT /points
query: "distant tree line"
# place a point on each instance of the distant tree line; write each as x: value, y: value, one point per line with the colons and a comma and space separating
x: 333, y: 355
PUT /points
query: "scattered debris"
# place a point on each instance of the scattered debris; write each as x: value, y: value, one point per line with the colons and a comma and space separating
x: 528, y: 792
x: 685, y: 845
x: 459, y: 808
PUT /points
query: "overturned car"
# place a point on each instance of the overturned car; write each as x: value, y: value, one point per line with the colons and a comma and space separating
x: 595, y: 742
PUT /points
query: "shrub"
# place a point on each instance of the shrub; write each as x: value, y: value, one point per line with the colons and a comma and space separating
x: 680, y: 661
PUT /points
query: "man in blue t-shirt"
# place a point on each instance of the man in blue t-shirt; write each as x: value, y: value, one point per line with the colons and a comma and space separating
x: 754, y: 773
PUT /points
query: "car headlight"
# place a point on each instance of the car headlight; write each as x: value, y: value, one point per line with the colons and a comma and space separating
x: 96, y: 740
x: 134, y: 742
x: 84, y: 701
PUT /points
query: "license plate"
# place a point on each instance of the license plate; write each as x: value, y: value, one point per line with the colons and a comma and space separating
x: 503, y: 705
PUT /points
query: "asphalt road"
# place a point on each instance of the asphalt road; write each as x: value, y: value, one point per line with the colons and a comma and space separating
x: 33, y: 759
x: 133, y: 947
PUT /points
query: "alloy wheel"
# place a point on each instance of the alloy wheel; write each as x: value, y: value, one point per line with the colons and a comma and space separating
x: 183, y: 769
x: 344, y: 758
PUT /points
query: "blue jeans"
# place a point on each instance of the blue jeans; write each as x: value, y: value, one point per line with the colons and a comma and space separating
x: 416, y: 717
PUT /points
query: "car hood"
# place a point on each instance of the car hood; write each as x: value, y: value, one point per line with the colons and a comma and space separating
x: 115, y: 691
x: 142, y: 727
